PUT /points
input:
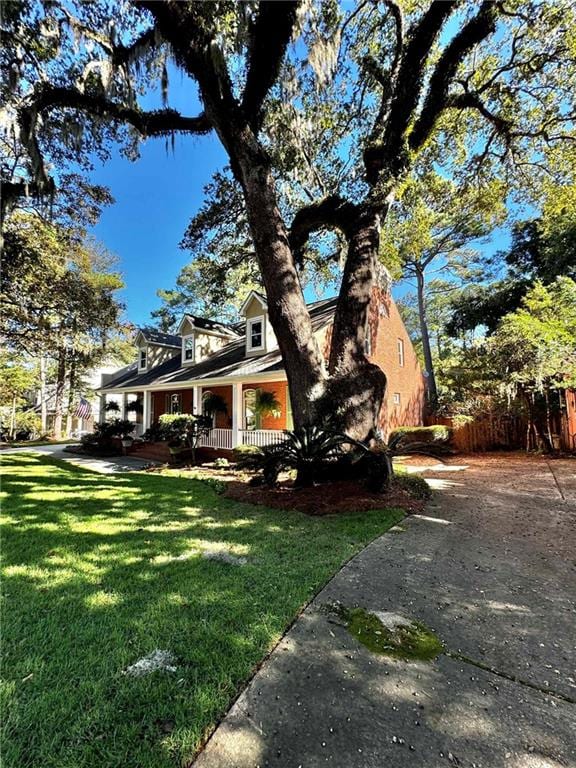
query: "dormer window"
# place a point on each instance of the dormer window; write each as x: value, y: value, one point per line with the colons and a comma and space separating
x: 143, y: 359
x: 255, y: 333
x: 188, y: 349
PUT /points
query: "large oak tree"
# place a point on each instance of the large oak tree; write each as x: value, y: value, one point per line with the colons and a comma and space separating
x: 471, y: 86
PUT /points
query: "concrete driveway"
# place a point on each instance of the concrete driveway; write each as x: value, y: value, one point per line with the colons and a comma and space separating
x: 109, y: 465
x: 491, y: 567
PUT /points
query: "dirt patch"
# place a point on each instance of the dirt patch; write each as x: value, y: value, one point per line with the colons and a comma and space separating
x: 325, y: 499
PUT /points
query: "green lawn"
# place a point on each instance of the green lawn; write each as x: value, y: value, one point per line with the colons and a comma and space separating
x: 36, y: 443
x: 90, y: 586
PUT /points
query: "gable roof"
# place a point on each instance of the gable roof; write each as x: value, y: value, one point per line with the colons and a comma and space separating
x: 206, y: 324
x: 253, y: 295
x: 230, y: 360
x: 152, y: 336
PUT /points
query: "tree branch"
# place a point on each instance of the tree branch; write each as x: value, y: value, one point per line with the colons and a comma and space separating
x: 332, y: 212
x: 270, y: 36
x: 473, y: 101
x: 472, y: 33
x: 155, y: 123
x: 394, y: 119
x: 124, y: 54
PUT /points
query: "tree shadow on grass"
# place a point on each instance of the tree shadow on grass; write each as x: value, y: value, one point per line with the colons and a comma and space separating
x: 91, y: 574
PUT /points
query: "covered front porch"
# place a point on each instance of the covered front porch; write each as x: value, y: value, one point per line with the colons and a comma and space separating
x: 235, y: 409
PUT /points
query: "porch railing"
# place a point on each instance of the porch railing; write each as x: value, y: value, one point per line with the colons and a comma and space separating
x: 261, y: 437
x: 218, y: 438
x: 222, y: 438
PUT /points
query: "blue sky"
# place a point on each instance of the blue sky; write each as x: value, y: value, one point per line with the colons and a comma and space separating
x: 156, y: 196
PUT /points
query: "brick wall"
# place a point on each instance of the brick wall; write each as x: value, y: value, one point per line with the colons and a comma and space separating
x: 406, y: 382
x: 280, y: 390
x: 160, y: 399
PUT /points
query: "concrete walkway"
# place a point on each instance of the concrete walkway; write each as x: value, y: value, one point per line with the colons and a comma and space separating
x: 107, y: 466
x: 491, y: 567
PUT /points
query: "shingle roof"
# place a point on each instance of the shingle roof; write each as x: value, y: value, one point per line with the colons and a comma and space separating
x: 230, y: 360
x: 212, y: 325
x: 157, y: 337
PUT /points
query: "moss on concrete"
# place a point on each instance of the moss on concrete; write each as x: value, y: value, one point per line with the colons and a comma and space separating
x: 410, y: 642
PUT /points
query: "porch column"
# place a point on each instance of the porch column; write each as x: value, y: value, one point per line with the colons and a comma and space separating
x: 146, y: 402
x: 196, y: 401
x: 236, y: 414
x: 124, y: 402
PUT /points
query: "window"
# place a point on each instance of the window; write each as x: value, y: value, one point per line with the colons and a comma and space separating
x: 401, y: 353
x: 173, y: 403
x: 255, y: 332
x: 251, y: 417
x: 143, y: 359
x: 188, y: 349
x: 396, y: 398
x: 367, y: 346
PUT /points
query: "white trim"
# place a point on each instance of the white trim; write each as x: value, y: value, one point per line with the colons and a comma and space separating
x: 249, y: 323
x: 237, y: 420
x: 400, y: 349
x: 253, y: 295
x: 192, y: 360
x: 216, y: 382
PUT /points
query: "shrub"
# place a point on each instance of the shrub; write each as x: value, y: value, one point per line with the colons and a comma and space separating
x: 432, y: 439
x: 306, y: 450
x: 415, y: 485
x: 248, y: 456
x: 101, y: 441
x: 221, y: 463
x: 185, y: 429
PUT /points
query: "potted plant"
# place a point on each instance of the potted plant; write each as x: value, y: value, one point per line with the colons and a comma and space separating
x: 112, y: 407
x: 123, y: 429
x: 135, y: 406
x: 214, y: 403
x: 267, y: 404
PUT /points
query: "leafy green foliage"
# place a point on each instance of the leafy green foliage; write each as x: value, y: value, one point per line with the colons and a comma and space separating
x: 415, y: 485
x: 306, y: 450
x: 184, y: 429
x: 248, y: 456
x: 404, y: 436
x: 535, y: 346
x: 267, y: 404
x: 320, y: 454
x: 541, y: 249
x: 102, y: 440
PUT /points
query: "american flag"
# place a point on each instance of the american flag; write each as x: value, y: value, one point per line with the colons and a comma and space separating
x: 84, y: 409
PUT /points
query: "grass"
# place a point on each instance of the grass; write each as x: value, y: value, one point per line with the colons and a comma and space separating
x: 90, y: 586
x: 35, y: 443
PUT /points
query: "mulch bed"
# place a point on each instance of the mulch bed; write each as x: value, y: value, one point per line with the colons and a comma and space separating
x: 325, y: 499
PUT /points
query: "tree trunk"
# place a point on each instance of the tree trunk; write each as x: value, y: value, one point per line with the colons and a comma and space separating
x: 71, y: 393
x: 287, y: 309
x: 59, y: 394
x: 426, y: 348
x: 13, y: 419
x: 357, y: 387
x: 43, y: 403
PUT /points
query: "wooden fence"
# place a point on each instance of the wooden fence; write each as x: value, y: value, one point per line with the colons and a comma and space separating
x: 497, y: 433
x: 487, y: 434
